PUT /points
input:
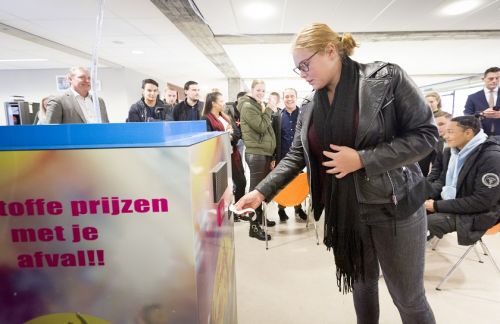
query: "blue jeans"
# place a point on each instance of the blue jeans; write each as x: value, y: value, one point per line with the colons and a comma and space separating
x: 400, y: 250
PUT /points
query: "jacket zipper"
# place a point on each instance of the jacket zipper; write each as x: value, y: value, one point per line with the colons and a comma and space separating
x: 394, y: 198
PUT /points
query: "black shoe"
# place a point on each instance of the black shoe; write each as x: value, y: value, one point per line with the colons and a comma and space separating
x: 257, y: 232
x: 270, y: 223
x: 283, y: 215
x: 300, y: 213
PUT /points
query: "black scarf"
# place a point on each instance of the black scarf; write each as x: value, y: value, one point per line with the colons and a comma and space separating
x: 337, y: 124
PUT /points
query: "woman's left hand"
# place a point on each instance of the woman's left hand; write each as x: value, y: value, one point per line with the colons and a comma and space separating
x: 344, y: 161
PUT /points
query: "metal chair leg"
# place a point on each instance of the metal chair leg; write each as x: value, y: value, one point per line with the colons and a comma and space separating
x: 264, y: 221
x: 454, y: 267
x: 482, y: 246
x: 487, y: 252
x: 309, y: 212
x: 435, y: 244
x: 477, y: 254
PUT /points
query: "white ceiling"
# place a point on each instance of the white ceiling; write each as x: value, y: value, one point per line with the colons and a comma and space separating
x: 168, y: 55
x: 132, y: 25
x: 227, y: 17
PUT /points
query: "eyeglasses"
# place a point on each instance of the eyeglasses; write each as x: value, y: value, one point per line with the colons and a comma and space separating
x: 304, y: 65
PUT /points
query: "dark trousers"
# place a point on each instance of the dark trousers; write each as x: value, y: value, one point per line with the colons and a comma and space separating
x: 239, y: 180
x: 400, y: 250
x: 296, y: 207
x: 260, y: 166
x: 440, y: 224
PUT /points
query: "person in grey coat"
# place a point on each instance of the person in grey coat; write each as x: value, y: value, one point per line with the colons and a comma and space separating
x: 75, y: 106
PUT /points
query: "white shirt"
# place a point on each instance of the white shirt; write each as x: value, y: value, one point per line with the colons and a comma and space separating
x: 224, y: 122
x: 495, y: 95
x: 86, y: 105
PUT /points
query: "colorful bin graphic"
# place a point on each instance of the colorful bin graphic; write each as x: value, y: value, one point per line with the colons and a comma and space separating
x: 125, y: 223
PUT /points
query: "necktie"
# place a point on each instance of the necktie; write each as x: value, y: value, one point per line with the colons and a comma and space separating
x: 491, y: 104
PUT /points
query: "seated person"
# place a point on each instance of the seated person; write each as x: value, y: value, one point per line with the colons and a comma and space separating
x: 471, y: 192
x: 433, y: 179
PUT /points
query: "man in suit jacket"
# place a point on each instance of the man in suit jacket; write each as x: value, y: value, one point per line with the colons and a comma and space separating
x: 75, y: 106
x: 482, y: 102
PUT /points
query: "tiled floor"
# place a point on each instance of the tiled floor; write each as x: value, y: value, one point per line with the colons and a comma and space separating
x: 294, y: 281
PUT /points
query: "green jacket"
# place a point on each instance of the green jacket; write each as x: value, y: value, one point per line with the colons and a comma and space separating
x: 256, y: 127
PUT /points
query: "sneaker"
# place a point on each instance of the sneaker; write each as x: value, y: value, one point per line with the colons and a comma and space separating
x: 301, y: 214
x: 283, y: 215
x: 257, y: 232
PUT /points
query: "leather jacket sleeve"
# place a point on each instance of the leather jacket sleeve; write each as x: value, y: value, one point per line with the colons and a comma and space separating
x: 288, y: 167
x: 413, y: 135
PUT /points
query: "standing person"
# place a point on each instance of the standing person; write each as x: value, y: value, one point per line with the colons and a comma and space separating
x: 260, y: 143
x: 191, y: 108
x: 273, y: 101
x: 362, y: 170
x: 288, y: 122
x: 149, y: 107
x: 217, y: 120
x: 433, y: 99
x: 76, y: 105
x: 42, y: 112
x: 484, y: 101
x: 170, y: 100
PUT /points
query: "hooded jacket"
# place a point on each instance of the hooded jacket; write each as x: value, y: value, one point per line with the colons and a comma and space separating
x: 477, y: 204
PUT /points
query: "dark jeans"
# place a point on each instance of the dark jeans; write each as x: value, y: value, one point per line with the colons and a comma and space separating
x: 400, y: 250
x: 440, y: 224
x: 298, y: 207
x: 238, y: 176
x: 260, y: 166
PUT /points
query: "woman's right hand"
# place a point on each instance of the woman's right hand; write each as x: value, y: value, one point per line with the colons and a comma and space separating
x: 253, y: 199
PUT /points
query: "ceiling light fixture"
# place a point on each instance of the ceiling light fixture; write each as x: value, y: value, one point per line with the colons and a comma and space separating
x: 259, y: 10
x: 24, y: 60
x: 459, y: 7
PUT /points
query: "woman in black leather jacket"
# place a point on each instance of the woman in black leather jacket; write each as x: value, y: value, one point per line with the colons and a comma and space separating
x: 360, y: 135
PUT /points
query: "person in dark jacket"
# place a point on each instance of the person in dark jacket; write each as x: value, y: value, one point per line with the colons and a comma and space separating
x: 170, y: 101
x: 470, y: 189
x: 217, y: 120
x: 191, y: 108
x: 360, y: 135
x: 288, y: 121
x: 149, y: 107
x: 486, y: 102
x: 433, y: 179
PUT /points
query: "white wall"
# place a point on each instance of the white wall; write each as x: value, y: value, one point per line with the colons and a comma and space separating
x: 119, y: 88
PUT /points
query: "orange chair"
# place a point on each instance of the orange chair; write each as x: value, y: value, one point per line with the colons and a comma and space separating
x: 492, y: 231
x: 294, y: 194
